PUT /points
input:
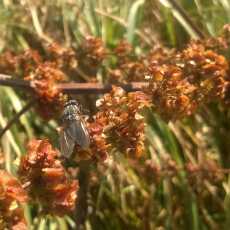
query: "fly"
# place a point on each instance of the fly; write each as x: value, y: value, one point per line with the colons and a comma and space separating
x: 74, y: 130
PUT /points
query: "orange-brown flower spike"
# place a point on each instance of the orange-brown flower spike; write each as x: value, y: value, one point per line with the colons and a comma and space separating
x: 118, y: 124
x: 90, y: 55
x: 119, y: 115
x: 50, y: 99
x: 183, y: 81
x: 99, y: 145
x: 128, y: 66
x: 11, y: 196
x: 46, y: 180
x: 43, y: 73
x: 19, y: 64
x: 65, y: 58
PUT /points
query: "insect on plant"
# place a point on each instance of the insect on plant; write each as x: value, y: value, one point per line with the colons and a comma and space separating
x: 74, y: 130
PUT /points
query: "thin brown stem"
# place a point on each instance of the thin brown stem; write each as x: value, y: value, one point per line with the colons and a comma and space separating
x: 73, y: 87
x: 82, y: 204
x: 7, y: 80
x: 97, y: 88
x: 17, y: 116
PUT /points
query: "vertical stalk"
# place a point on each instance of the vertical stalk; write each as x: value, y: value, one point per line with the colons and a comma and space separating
x: 82, y: 204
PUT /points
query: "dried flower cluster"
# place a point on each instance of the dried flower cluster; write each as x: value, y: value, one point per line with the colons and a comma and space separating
x: 64, y: 58
x: 45, y: 179
x: 19, y: 64
x: 43, y: 80
x: 218, y: 44
x: 118, y: 124
x: 44, y: 76
x: 43, y: 72
x: 12, y: 196
x: 173, y: 177
x: 197, y: 173
x: 178, y: 81
x: 119, y: 114
x: 128, y: 67
x: 186, y: 80
x: 90, y: 55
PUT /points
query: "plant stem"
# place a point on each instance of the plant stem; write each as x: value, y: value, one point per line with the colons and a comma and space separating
x: 82, y: 205
x: 73, y: 87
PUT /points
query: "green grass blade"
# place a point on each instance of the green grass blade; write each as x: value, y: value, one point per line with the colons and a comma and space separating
x: 17, y: 105
x: 132, y: 20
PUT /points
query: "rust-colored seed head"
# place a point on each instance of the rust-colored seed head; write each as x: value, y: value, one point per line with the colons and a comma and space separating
x: 182, y: 82
x: 119, y: 114
x: 90, y: 55
x: 46, y: 180
x: 43, y: 80
x: 65, y: 58
x: 11, y: 196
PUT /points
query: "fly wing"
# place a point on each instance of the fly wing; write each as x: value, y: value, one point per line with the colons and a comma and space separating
x: 66, y: 143
x: 78, y: 131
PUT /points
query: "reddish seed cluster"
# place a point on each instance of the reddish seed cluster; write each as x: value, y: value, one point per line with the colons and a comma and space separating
x: 43, y: 80
x: 99, y: 145
x: 11, y: 196
x: 196, y: 173
x: 19, y: 64
x: 187, y: 79
x: 46, y: 180
x: 43, y: 72
x: 64, y: 58
x: 218, y: 44
x: 7, y: 63
x: 119, y: 114
x: 128, y: 67
x: 90, y: 55
x: 118, y: 124
x: 179, y: 81
x: 123, y: 50
x: 155, y: 172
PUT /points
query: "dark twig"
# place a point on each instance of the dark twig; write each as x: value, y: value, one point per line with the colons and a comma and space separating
x: 7, y: 80
x: 17, y: 116
x: 73, y: 87
x: 82, y: 201
x: 98, y: 88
